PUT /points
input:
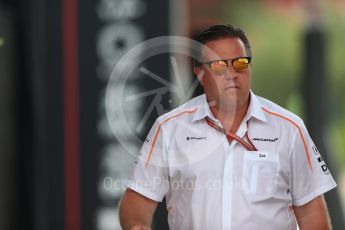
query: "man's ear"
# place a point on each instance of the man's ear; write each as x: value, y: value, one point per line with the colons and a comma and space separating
x: 199, y: 72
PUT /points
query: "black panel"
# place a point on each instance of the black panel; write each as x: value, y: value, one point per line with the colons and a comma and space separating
x: 93, y: 80
x: 90, y: 91
x: 55, y: 112
x: 41, y: 192
x: 8, y: 121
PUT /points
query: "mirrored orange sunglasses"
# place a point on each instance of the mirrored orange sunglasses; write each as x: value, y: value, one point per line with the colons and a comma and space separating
x: 219, y: 67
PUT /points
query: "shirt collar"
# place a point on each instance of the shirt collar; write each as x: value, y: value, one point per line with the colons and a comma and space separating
x: 203, y: 109
x: 254, y: 109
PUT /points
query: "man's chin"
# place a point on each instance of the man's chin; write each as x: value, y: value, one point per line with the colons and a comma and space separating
x: 230, y: 95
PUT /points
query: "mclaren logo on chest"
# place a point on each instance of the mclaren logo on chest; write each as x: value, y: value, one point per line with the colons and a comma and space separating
x: 265, y: 139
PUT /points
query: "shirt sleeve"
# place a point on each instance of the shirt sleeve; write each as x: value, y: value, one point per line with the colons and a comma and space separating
x: 310, y: 174
x: 149, y: 174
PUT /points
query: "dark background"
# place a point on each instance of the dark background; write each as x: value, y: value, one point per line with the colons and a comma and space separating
x: 56, y: 146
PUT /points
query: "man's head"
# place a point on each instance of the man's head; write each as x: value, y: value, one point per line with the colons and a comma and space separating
x: 225, y: 73
x: 216, y: 32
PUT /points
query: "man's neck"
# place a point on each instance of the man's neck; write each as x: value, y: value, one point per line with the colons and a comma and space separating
x: 230, y: 118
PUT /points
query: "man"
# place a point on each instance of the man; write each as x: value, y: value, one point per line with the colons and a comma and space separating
x: 228, y: 159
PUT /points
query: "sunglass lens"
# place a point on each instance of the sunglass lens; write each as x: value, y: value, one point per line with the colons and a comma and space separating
x: 219, y: 67
x: 240, y: 63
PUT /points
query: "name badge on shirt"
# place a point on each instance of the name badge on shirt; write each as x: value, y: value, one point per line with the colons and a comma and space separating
x: 260, y: 172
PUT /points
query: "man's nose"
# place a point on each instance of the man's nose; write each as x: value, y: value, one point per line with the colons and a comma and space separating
x: 230, y: 73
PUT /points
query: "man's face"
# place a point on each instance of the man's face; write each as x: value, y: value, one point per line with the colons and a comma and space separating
x: 231, y: 89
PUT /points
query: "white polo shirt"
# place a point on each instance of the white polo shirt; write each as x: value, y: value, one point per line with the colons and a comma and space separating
x: 211, y: 184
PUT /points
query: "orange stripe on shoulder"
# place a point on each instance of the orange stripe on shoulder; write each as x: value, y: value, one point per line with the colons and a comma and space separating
x: 299, y: 130
x: 159, y: 129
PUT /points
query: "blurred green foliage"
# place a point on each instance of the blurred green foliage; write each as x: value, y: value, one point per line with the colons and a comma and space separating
x: 277, y: 37
x: 335, y: 28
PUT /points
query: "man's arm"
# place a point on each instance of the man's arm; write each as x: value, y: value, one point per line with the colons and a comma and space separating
x: 136, y: 211
x: 313, y: 215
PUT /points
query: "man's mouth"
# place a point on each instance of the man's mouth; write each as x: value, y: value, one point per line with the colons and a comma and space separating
x: 229, y: 87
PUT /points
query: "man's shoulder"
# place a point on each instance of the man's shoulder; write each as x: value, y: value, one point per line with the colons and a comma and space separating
x: 275, y: 110
x: 189, y: 107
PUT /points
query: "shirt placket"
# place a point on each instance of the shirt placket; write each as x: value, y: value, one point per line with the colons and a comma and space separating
x: 230, y: 178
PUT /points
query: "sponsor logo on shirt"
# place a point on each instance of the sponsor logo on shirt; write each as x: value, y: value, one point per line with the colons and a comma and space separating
x: 316, y: 151
x: 320, y: 160
x: 265, y: 139
x: 195, y: 138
